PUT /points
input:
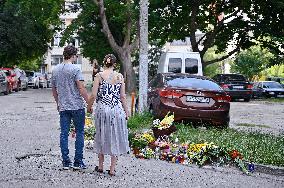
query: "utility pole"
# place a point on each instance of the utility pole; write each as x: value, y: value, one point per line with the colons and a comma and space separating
x: 143, y: 55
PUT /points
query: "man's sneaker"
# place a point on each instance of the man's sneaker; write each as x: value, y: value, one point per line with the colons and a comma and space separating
x: 79, y: 165
x: 67, y: 165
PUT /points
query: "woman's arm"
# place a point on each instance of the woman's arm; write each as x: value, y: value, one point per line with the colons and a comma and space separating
x: 123, y: 97
x: 94, y: 93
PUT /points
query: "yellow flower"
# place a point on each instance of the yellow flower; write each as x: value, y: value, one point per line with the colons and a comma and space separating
x: 149, y: 138
x: 88, y: 122
x: 168, y: 120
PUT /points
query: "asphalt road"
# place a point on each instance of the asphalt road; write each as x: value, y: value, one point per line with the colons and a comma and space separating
x: 258, y: 115
x: 30, y: 156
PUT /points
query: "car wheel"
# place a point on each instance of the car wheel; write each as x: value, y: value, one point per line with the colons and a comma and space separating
x: 151, y: 109
x: 224, y: 125
x: 7, y: 90
x: 18, y: 88
x: 25, y: 89
x: 246, y: 99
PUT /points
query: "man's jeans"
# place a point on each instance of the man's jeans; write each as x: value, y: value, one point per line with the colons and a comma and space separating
x: 78, y: 117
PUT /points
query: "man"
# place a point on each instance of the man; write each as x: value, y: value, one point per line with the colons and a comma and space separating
x: 18, y: 73
x: 69, y: 91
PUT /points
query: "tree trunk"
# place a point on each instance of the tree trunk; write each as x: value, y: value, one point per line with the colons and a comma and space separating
x: 128, y: 72
x: 123, y: 52
x: 143, y: 55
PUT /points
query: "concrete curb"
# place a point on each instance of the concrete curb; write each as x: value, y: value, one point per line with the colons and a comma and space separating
x: 267, y: 169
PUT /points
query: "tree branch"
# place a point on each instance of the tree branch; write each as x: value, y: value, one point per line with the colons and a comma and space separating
x: 135, y: 43
x: 222, y: 58
x: 194, y: 45
x: 231, y: 15
x: 210, y: 36
x: 128, y: 28
x: 106, y: 29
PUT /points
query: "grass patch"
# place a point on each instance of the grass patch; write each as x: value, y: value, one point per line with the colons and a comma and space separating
x: 252, y: 125
x: 261, y: 148
x: 274, y: 99
x: 140, y: 121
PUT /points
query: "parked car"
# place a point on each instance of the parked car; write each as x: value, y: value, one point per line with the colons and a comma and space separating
x: 4, y: 84
x: 23, y: 80
x: 268, y: 89
x: 12, y: 80
x: 236, y: 85
x: 33, y: 79
x: 189, y: 97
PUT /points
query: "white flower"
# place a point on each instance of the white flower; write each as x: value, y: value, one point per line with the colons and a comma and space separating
x: 156, y: 122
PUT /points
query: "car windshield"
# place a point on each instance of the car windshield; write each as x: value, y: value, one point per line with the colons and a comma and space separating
x: 30, y: 74
x: 233, y: 77
x: 272, y: 85
x: 191, y: 82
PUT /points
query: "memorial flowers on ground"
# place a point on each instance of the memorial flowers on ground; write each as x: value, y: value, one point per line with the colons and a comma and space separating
x: 163, y: 147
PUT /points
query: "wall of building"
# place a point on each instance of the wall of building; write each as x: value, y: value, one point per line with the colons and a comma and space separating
x: 54, y: 54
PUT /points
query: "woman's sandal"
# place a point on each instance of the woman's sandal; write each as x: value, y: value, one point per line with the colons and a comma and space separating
x: 98, y: 170
x: 111, y: 174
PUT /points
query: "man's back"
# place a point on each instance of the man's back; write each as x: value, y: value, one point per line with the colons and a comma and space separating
x: 64, y: 78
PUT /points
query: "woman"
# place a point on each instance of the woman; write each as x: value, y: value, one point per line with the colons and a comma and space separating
x: 111, y: 114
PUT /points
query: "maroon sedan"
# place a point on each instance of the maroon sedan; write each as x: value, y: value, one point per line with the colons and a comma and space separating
x: 189, y: 97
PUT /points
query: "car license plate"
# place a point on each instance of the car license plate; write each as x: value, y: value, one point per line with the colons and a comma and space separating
x: 190, y: 98
x: 238, y: 87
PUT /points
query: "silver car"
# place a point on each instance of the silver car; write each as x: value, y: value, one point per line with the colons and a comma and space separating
x: 33, y: 79
x: 4, y: 85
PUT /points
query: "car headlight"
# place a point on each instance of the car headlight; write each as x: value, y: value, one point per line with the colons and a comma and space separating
x: 271, y: 93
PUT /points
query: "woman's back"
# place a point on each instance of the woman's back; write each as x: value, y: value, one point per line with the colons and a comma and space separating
x: 109, y: 88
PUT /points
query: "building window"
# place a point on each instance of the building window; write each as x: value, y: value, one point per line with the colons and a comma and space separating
x: 56, y: 41
x: 78, y: 59
x: 56, y: 59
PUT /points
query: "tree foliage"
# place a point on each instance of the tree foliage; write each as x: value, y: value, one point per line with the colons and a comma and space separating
x: 239, y: 24
x: 32, y: 64
x: 214, y: 68
x: 275, y: 71
x: 25, y: 28
x: 108, y: 26
x: 252, y: 62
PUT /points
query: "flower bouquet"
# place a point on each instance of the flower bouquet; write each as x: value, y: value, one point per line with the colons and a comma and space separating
x: 140, y: 141
x: 164, y: 127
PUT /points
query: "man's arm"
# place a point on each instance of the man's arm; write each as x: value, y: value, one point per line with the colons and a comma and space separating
x: 55, y: 95
x: 82, y: 90
x: 94, y: 94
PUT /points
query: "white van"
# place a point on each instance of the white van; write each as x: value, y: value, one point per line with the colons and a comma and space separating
x: 180, y: 62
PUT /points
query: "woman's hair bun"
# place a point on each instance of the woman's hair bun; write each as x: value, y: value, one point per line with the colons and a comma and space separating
x: 112, y: 60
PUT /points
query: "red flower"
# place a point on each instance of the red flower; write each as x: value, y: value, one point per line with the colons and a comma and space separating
x: 234, y: 154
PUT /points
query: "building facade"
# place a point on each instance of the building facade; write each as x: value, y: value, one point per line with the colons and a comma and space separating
x: 54, y: 54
